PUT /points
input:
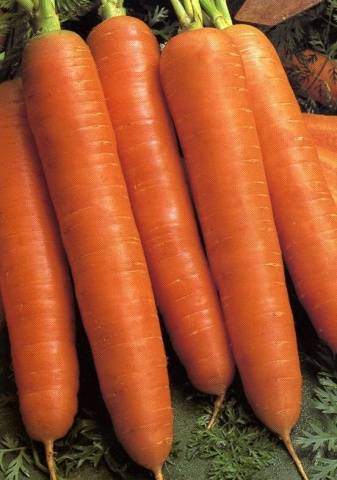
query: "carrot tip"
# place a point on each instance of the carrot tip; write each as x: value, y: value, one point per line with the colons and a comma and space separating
x: 49, y: 448
x: 158, y: 474
x: 289, y: 446
x: 216, y: 410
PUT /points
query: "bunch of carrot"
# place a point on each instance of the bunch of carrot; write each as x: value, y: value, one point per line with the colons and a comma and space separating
x: 263, y: 185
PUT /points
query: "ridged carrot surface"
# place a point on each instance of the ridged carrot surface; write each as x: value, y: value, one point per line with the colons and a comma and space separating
x: 323, y: 129
x: 328, y: 160
x: 127, y: 56
x: 205, y: 86
x: 304, y: 210
x: 71, y: 124
x: 35, y: 285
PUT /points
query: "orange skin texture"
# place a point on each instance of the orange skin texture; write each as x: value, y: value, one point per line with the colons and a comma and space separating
x: 71, y: 124
x: 205, y: 85
x: 323, y: 129
x: 127, y: 57
x: 328, y: 159
x: 35, y: 284
x: 304, y: 210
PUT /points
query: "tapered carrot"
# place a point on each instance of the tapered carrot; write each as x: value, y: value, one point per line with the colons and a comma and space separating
x: 323, y: 129
x: 205, y: 85
x: 71, y: 124
x: 328, y: 160
x: 35, y: 286
x: 305, y: 213
x: 127, y: 56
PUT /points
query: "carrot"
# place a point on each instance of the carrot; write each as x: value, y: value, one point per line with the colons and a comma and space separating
x: 205, y: 85
x: 314, y: 75
x: 305, y: 213
x: 127, y: 56
x: 35, y: 285
x: 328, y: 160
x: 323, y: 129
x: 71, y: 124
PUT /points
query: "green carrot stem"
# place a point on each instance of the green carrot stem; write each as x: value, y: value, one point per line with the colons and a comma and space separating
x: 112, y: 8
x: 215, y: 14
x: 206, y: 21
x: 221, y: 5
x: 188, y: 7
x: 197, y: 14
x: 46, y: 18
x: 183, y: 19
x: 189, y: 13
x: 27, y: 5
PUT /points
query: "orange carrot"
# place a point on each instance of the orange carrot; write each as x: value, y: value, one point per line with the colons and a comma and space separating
x: 35, y: 285
x: 127, y: 56
x: 71, y: 124
x: 313, y: 75
x: 328, y: 160
x: 305, y: 213
x: 323, y: 129
x: 205, y: 85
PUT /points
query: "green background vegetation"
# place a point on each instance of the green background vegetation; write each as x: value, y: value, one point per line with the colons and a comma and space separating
x: 238, y: 448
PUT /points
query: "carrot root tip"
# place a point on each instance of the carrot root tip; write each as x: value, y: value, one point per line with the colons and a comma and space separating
x: 289, y: 446
x: 49, y: 448
x: 158, y: 474
x: 216, y: 410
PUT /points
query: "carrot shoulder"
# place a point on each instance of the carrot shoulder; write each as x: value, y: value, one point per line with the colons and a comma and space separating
x: 35, y: 285
x: 205, y: 86
x: 305, y: 213
x: 71, y: 125
x: 127, y: 57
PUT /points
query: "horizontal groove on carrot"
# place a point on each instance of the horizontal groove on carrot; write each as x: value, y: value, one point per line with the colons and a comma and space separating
x: 127, y: 57
x: 304, y: 210
x: 205, y: 85
x: 70, y: 122
x: 323, y: 129
x: 35, y: 285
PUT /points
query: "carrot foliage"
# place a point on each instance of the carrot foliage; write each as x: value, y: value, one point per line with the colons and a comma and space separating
x: 313, y: 29
x: 237, y: 446
x: 16, y: 25
x: 320, y: 437
x: 14, y: 458
x: 87, y: 444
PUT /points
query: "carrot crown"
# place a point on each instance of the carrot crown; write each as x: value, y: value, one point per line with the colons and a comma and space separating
x: 193, y: 14
x: 45, y: 17
x: 217, y: 11
x: 189, y: 13
x: 112, y: 8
